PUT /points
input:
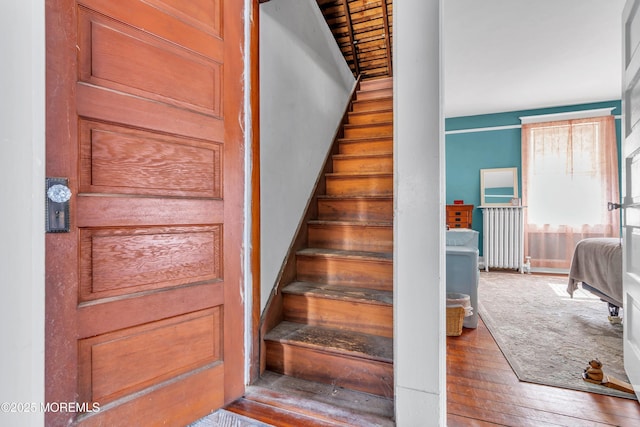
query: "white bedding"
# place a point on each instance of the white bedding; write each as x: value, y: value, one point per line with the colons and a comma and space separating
x: 598, y: 263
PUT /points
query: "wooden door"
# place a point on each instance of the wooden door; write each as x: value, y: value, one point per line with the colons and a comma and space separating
x: 144, y: 314
x: 631, y: 191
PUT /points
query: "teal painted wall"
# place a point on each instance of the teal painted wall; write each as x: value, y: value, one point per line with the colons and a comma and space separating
x: 470, y: 146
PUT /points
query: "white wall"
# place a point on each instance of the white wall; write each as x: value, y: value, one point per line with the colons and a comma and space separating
x: 22, y: 213
x: 419, y: 290
x: 304, y: 82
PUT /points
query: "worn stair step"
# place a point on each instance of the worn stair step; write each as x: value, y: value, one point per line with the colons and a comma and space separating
x: 368, y: 311
x: 343, y: 358
x: 374, y: 93
x: 351, y: 236
x: 368, y: 117
x: 362, y: 163
x: 270, y: 415
x: 369, y: 130
x: 370, y: 270
x: 380, y: 145
x: 321, y: 401
x: 376, y: 104
x: 357, y: 184
x: 355, y: 208
x: 379, y: 83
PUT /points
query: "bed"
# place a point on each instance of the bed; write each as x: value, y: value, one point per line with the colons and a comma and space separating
x: 597, y: 264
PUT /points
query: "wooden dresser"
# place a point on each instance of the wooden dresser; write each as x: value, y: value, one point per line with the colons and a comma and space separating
x: 459, y: 216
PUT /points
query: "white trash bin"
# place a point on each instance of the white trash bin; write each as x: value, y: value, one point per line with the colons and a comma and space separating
x: 454, y: 298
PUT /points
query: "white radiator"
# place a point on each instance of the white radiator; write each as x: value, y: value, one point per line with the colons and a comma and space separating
x: 503, y: 237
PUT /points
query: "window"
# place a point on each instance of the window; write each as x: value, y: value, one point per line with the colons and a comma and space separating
x: 570, y: 172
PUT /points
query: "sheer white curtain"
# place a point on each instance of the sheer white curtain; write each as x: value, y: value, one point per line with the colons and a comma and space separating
x: 569, y: 173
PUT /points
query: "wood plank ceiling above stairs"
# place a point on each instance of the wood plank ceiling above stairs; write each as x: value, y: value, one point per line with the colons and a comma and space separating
x: 331, y: 320
x: 363, y: 30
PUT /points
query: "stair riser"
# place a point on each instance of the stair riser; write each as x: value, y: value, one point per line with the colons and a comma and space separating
x: 372, y: 105
x: 372, y: 131
x: 351, y: 238
x: 373, y: 84
x: 342, y: 371
x: 374, y: 94
x: 355, y: 210
x: 351, y: 272
x: 384, y: 146
x: 360, y: 185
x: 364, y: 164
x: 347, y: 315
x: 371, y: 117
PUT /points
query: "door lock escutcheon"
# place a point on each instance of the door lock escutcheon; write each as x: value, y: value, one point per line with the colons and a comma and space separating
x: 58, y: 195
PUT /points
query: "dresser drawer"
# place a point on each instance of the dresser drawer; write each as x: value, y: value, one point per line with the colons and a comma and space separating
x: 459, y: 216
x: 459, y: 224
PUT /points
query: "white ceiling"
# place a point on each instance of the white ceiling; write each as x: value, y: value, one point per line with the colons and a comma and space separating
x: 508, y: 55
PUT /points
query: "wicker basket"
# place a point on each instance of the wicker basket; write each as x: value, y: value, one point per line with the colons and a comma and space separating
x: 455, y: 318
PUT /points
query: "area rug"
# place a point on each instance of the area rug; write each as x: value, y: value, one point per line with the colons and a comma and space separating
x: 223, y: 418
x: 547, y: 336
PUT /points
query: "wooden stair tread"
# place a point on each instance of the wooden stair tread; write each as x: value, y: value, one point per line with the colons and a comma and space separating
x: 342, y: 293
x: 350, y: 343
x: 362, y: 156
x: 365, y: 87
x: 366, y: 139
x: 357, y: 174
x: 375, y: 93
x: 269, y: 415
x: 371, y: 106
x: 355, y: 197
x: 372, y: 100
x: 376, y: 82
x: 324, y: 401
x: 371, y: 117
x: 356, y: 208
x: 367, y: 125
x: 352, y: 223
x: 338, y: 253
x: 367, y: 113
x: 380, y: 140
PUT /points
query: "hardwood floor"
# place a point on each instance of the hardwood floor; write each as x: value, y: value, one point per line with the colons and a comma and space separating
x: 482, y: 390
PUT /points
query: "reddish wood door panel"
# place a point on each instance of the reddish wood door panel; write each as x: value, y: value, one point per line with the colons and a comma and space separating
x: 119, y: 363
x: 120, y: 261
x: 115, y: 55
x: 144, y: 310
x: 116, y: 159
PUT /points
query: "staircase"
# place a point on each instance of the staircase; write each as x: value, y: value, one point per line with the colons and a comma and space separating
x: 337, y: 315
